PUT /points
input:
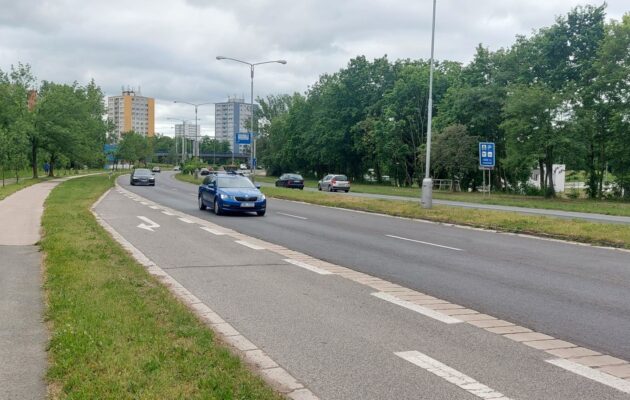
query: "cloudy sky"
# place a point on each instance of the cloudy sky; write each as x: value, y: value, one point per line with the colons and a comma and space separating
x: 169, y: 48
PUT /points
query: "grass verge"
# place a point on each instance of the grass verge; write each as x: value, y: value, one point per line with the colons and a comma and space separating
x: 116, y: 332
x: 576, y: 205
x: 615, y: 235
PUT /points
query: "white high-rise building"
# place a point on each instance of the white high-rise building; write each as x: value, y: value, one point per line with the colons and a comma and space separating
x: 230, y: 119
x: 189, y: 130
x: 131, y: 112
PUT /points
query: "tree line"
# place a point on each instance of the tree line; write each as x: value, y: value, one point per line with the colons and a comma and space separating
x: 559, y: 95
x: 59, y: 125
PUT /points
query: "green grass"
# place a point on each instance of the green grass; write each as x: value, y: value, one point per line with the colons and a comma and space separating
x: 615, y: 235
x: 116, y: 333
x: 563, y: 204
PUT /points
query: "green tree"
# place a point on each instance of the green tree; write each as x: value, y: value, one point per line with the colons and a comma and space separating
x: 133, y: 147
x: 454, y: 154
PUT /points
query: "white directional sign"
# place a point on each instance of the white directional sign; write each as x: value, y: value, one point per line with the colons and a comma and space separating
x: 149, y: 224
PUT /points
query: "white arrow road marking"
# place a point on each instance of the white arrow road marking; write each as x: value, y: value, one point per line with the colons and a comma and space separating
x: 427, y: 312
x: 150, y: 223
x: 292, y: 216
x: 427, y: 243
x: 451, y: 375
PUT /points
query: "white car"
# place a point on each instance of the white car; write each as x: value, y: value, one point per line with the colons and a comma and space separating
x: 333, y: 182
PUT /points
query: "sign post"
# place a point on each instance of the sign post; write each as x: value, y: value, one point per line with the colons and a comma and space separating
x: 487, y: 161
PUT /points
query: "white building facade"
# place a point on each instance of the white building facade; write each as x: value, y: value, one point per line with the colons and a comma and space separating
x: 190, y: 131
x: 231, y: 119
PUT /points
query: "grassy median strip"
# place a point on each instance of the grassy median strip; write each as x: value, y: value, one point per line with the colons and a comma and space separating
x: 498, y: 198
x: 616, y: 235
x: 116, y: 332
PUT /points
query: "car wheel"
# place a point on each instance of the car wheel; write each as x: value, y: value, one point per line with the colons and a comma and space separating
x: 260, y: 213
x: 302, y: 188
x: 131, y: 183
x: 330, y: 188
x: 201, y: 205
x: 319, y: 187
x: 216, y: 208
x: 347, y: 190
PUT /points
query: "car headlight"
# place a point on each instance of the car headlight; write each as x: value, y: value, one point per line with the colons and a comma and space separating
x: 262, y: 197
x: 225, y: 196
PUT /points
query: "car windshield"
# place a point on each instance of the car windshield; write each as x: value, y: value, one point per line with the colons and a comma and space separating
x: 234, y: 182
x: 142, y: 172
x: 294, y: 176
x: 341, y: 177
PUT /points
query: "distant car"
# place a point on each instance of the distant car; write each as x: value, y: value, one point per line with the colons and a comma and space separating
x: 204, y: 171
x: 176, y: 168
x: 290, y: 181
x: 230, y: 193
x: 243, y: 166
x: 333, y: 183
x: 156, y: 169
x: 142, y: 176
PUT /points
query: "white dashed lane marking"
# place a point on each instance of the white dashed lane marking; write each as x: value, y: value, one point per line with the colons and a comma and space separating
x: 421, y: 242
x: 451, y: 375
x: 250, y: 245
x: 154, y: 207
x: 593, y: 374
x: 167, y: 213
x: 213, y: 231
x: 292, y: 216
x: 427, y: 312
x: 308, y: 267
x: 186, y: 220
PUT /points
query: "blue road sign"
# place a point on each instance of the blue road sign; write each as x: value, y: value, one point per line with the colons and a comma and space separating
x: 487, y: 155
x: 244, y: 138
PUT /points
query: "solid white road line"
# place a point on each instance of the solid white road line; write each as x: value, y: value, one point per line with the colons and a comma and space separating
x: 250, y: 245
x: 186, y: 220
x: 308, y: 267
x: 427, y: 312
x: 167, y: 213
x: 451, y: 375
x: 292, y: 216
x: 593, y: 374
x: 421, y: 242
x: 213, y: 231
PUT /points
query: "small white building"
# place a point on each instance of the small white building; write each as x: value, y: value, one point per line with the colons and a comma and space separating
x: 558, y: 177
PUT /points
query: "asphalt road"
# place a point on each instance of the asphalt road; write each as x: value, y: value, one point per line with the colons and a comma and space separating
x: 330, y: 332
x: 574, y: 292
x: 591, y: 217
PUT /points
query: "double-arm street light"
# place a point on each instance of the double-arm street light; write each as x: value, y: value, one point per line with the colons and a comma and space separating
x: 253, y: 137
x: 427, y: 182
x: 197, y: 130
x: 183, y: 121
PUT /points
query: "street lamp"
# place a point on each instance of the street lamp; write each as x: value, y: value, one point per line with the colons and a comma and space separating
x: 427, y: 182
x: 183, y: 121
x: 251, y: 67
x: 197, y: 130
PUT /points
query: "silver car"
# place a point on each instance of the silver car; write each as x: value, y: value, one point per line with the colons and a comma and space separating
x: 333, y: 183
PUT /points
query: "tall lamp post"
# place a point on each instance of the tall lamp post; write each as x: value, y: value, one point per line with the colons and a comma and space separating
x: 183, y: 121
x: 253, y: 138
x: 197, y: 130
x: 427, y: 182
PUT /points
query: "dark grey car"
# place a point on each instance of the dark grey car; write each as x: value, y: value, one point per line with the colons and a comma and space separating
x: 142, y: 176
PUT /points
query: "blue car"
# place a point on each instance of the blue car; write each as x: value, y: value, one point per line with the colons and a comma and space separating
x: 231, y: 193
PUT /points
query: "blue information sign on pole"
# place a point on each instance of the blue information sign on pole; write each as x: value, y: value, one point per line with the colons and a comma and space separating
x: 244, y: 138
x: 487, y: 155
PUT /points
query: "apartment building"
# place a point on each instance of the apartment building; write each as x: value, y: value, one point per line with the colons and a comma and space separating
x: 132, y: 112
x: 230, y: 119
